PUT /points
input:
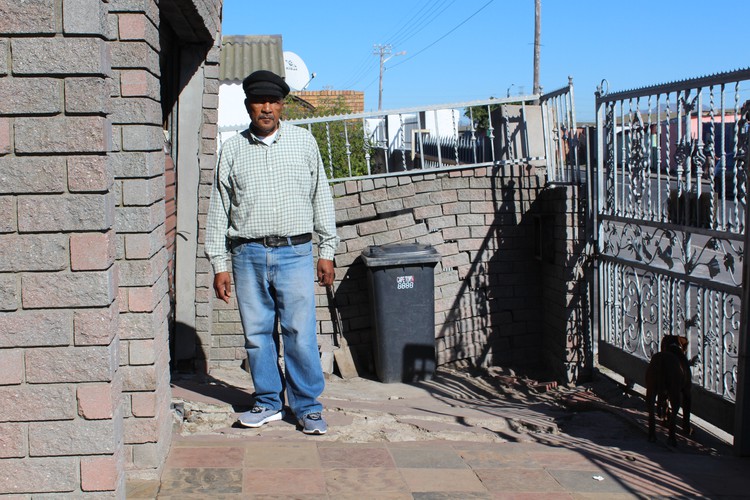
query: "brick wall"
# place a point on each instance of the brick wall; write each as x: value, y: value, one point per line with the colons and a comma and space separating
x: 84, y: 347
x: 204, y: 273
x: 491, y: 289
x: 61, y: 422
x: 139, y: 169
x: 353, y: 99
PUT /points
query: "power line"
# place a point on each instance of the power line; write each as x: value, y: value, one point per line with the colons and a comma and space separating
x: 363, y: 70
x: 372, y: 82
x: 398, y: 33
x: 434, y: 15
x: 367, y: 65
x: 445, y: 35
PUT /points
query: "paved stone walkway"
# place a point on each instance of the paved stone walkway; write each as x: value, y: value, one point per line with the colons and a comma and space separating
x: 453, y: 437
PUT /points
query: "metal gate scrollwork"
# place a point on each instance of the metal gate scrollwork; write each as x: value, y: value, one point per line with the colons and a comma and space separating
x: 669, y: 209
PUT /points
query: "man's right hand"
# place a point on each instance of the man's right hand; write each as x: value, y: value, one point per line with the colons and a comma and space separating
x: 223, y: 286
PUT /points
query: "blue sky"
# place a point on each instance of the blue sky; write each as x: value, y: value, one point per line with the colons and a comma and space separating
x: 460, y: 50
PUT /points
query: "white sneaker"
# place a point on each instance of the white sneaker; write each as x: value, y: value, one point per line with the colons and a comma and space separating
x: 258, y: 416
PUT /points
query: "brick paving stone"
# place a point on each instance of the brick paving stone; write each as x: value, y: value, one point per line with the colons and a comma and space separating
x: 283, y: 482
x: 584, y: 481
x: 201, y: 441
x: 519, y: 480
x: 279, y: 462
x: 601, y: 496
x: 379, y: 495
x: 442, y: 480
x: 568, y: 459
x: 452, y: 495
x: 273, y: 455
x: 364, y: 480
x: 202, y: 496
x: 427, y: 457
x: 136, y: 489
x: 201, y: 481
x: 498, y: 458
x: 423, y: 445
x: 541, y: 496
x: 346, y: 457
x: 207, y: 457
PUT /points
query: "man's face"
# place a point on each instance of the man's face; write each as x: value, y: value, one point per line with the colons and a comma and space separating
x: 264, y: 112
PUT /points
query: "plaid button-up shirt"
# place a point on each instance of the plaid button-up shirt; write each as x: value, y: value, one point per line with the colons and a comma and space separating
x: 262, y: 190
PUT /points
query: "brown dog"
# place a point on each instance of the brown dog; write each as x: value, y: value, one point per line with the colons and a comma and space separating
x: 669, y: 378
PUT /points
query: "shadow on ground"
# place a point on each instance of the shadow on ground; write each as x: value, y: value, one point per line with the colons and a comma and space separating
x: 599, y: 424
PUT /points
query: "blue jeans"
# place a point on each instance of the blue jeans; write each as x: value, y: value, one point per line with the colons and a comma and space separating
x: 273, y: 283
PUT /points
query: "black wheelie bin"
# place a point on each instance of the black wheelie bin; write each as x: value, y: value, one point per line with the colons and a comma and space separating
x: 401, y: 281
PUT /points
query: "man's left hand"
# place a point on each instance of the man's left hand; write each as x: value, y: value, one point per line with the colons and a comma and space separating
x: 326, y: 274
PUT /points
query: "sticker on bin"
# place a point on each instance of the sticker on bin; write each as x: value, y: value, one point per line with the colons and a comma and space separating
x: 404, y: 282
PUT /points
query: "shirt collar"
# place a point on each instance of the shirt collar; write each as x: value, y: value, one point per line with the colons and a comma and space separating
x: 257, y: 139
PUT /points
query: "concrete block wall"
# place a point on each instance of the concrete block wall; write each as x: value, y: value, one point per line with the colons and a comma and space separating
x: 485, y: 293
x: 490, y: 293
x: 61, y: 384
x: 566, y: 285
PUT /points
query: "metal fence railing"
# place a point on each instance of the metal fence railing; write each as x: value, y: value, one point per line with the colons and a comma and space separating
x: 514, y: 129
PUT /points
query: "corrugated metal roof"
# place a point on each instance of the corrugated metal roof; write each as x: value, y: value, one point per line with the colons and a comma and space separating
x: 243, y: 54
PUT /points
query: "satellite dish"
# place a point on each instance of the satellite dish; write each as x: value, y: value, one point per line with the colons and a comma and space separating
x: 297, y: 75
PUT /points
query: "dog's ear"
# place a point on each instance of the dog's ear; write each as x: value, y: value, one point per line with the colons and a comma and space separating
x: 683, y: 342
x: 666, y: 341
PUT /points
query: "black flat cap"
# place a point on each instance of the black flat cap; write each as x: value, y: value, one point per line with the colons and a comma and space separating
x: 265, y: 83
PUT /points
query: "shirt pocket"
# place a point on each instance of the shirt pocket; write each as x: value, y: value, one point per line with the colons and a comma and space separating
x: 245, y: 186
x: 295, y: 179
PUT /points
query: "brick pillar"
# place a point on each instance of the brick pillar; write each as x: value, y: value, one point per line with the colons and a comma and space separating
x: 139, y: 158
x: 60, y: 382
x: 568, y: 348
x: 210, y: 344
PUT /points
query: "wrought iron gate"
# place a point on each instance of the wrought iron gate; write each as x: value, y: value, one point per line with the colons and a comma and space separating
x: 669, y: 228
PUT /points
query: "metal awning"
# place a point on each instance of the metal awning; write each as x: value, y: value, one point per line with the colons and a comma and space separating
x: 243, y: 54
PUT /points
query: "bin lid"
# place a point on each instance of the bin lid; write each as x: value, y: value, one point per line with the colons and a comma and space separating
x: 398, y: 254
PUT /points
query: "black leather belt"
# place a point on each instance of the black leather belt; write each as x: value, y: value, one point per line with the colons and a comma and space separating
x: 277, y: 241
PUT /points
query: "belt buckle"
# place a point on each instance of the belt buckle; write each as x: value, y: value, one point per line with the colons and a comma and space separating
x: 274, y: 241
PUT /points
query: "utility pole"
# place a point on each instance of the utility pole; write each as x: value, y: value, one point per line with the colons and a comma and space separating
x: 537, y: 42
x: 383, y: 51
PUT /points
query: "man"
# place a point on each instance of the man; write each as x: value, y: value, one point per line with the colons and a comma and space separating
x: 270, y: 193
